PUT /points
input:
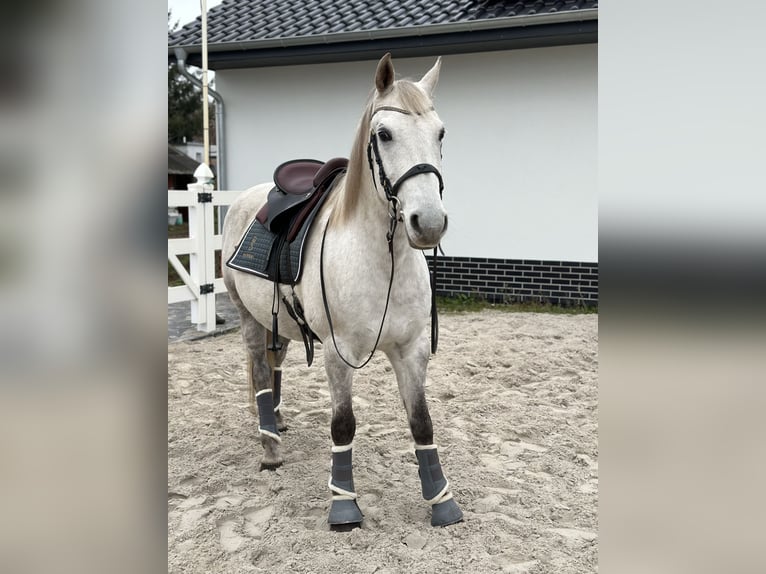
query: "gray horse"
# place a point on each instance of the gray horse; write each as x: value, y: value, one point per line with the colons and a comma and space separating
x: 359, y: 291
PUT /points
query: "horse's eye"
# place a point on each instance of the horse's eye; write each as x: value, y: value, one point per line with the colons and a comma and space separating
x: 441, y: 134
x: 385, y: 135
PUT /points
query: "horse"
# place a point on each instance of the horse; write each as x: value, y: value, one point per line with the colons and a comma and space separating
x: 363, y: 286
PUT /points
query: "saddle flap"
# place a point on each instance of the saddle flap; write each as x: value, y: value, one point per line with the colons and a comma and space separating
x: 296, y: 177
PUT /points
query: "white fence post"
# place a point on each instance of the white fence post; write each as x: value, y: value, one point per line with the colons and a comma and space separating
x: 202, y: 261
x: 200, y: 285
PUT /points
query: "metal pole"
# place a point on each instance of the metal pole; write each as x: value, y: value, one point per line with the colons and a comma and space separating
x: 205, y: 118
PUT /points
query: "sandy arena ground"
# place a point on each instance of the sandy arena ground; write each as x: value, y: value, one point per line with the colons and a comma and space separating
x: 513, y: 398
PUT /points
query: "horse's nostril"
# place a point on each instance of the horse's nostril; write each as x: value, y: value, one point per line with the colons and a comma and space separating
x: 444, y: 229
x: 414, y: 222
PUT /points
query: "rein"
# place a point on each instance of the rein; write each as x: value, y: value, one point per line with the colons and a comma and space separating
x: 391, y: 191
x: 390, y: 236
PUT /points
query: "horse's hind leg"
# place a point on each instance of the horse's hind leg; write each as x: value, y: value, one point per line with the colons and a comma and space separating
x: 410, y: 365
x: 261, y: 392
x: 254, y: 336
x: 275, y: 359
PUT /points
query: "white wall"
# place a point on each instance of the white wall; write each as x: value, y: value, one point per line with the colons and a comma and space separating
x: 519, y: 156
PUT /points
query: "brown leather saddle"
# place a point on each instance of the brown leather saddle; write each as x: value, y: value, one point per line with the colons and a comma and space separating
x: 298, y: 186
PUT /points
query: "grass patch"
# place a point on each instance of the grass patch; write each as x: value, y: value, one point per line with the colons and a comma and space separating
x: 470, y: 304
x: 178, y: 231
x: 174, y: 280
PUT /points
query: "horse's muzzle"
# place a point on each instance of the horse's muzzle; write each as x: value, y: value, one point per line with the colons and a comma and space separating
x: 425, y: 231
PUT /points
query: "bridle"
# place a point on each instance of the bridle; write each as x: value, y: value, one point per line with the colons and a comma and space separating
x: 391, y: 191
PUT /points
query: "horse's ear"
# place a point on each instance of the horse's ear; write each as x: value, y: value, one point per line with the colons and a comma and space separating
x: 384, y: 75
x: 429, y: 81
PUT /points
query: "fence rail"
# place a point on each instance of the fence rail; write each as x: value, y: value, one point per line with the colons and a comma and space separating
x: 200, y: 284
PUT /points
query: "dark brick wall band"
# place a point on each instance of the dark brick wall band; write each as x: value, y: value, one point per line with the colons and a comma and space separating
x: 564, y: 283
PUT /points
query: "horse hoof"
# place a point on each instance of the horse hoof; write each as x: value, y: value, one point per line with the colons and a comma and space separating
x: 446, y: 513
x: 344, y: 515
x: 270, y: 465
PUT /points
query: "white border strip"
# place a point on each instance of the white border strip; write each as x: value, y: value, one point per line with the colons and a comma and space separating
x: 276, y: 437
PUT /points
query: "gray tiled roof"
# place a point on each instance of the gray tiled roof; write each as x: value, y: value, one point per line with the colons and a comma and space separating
x: 180, y: 163
x: 254, y: 21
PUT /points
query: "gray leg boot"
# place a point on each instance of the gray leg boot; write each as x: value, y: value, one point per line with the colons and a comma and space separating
x: 267, y: 427
x: 444, y: 509
x: 267, y: 420
x: 344, y: 509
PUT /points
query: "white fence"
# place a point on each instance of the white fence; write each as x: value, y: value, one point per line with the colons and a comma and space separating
x: 200, y: 285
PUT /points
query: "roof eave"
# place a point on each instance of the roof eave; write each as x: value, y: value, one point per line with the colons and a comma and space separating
x: 400, y: 32
x: 518, y: 32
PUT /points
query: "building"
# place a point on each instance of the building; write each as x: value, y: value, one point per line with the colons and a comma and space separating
x: 518, y: 94
x: 196, y: 151
x: 180, y: 168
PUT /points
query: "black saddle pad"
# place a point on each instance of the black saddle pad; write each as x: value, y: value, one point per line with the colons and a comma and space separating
x: 269, y: 255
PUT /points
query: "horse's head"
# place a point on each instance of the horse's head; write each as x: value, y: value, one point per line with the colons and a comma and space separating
x: 404, y: 152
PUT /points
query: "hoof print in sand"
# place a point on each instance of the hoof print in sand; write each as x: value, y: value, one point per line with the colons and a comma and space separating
x: 257, y: 520
x: 227, y: 532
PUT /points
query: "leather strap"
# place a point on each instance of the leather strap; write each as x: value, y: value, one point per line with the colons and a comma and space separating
x: 395, y: 109
x: 392, y: 190
x: 434, y: 311
x: 327, y: 306
x: 417, y: 170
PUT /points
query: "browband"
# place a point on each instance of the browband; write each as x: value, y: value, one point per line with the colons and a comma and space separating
x: 395, y: 109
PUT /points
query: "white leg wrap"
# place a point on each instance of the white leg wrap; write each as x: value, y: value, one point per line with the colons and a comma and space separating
x: 435, y: 487
x: 276, y: 437
x: 340, y: 494
x: 431, y: 475
x: 343, y: 509
x: 443, y: 496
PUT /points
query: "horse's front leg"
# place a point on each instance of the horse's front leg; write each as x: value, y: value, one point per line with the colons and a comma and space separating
x: 344, y: 511
x: 410, y: 363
